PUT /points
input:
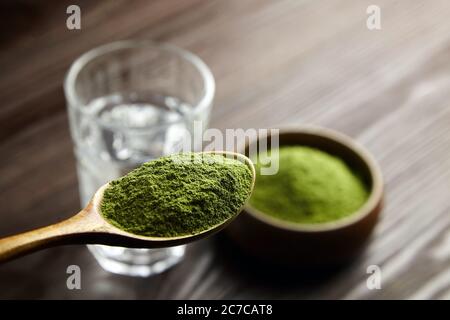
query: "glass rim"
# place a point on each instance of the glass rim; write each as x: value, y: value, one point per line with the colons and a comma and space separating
x: 77, y: 66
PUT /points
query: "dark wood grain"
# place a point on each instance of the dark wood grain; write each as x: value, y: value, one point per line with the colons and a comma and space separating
x: 275, y: 62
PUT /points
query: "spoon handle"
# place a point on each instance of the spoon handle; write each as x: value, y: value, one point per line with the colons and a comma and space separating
x: 74, y: 230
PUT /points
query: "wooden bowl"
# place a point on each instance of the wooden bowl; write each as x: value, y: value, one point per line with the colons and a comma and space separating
x: 313, y: 245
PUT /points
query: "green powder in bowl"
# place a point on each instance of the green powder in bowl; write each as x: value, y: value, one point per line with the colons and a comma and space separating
x: 177, y: 195
x: 311, y: 186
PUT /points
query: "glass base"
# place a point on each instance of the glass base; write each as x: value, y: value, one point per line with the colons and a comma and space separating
x: 136, y: 262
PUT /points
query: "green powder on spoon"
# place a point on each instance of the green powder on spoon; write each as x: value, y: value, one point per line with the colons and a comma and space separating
x: 311, y: 186
x: 177, y: 195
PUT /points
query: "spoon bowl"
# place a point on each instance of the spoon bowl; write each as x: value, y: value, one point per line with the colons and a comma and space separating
x: 89, y: 227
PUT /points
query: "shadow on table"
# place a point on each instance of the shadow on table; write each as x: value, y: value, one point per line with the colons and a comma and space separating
x: 261, y: 272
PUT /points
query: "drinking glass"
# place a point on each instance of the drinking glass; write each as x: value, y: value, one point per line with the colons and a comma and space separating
x: 130, y: 102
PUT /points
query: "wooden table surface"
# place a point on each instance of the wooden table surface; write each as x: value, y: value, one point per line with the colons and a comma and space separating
x: 275, y: 62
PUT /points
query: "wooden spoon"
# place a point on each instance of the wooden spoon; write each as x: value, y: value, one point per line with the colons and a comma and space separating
x: 89, y: 227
